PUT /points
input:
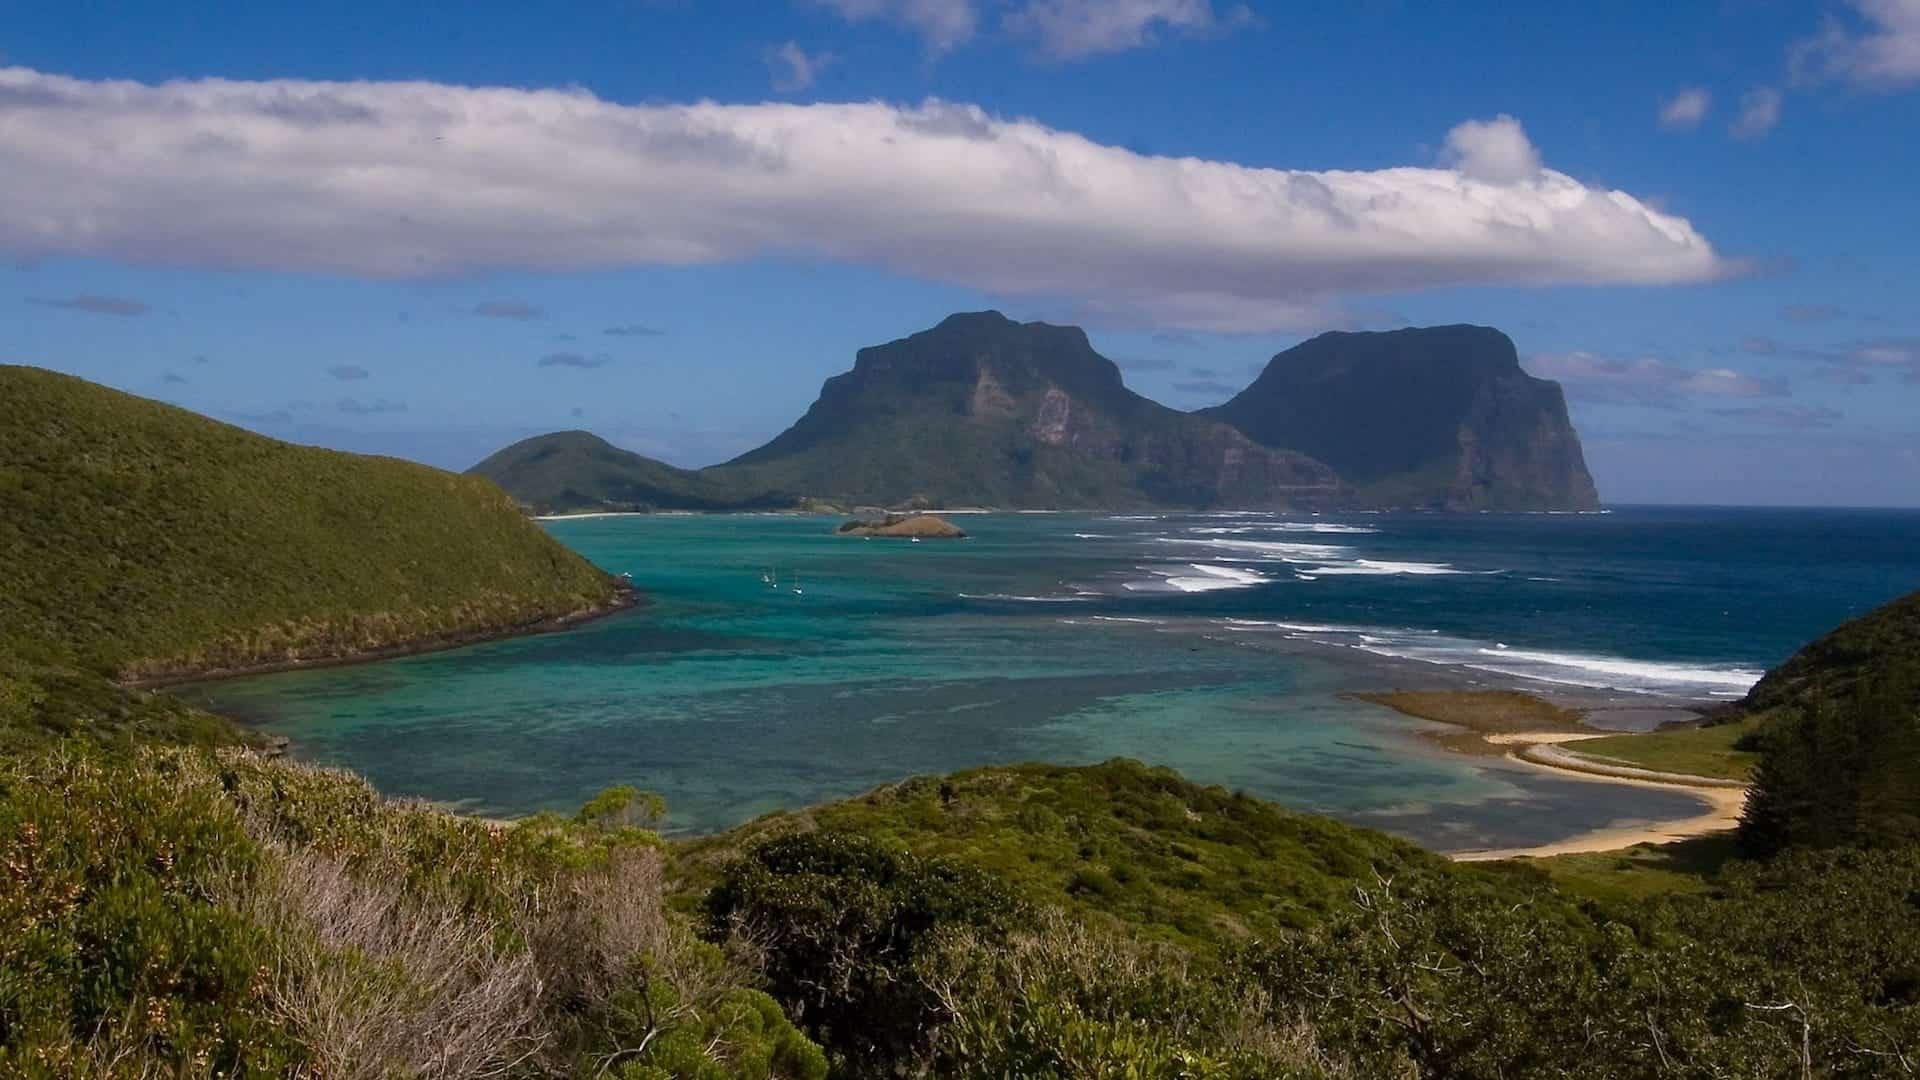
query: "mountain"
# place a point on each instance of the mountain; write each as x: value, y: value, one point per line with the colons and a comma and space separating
x: 982, y: 410
x: 1434, y: 418
x: 570, y: 471
x: 985, y: 411
x: 139, y: 540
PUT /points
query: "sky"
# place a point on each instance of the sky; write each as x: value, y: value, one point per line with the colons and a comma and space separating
x: 429, y: 233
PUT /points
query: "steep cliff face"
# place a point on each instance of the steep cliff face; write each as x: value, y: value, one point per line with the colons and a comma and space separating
x: 1432, y: 418
x: 983, y: 410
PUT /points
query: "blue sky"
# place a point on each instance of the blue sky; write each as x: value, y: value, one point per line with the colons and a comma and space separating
x: 1702, y: 220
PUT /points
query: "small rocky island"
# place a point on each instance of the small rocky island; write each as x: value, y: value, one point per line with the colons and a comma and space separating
x: 906, y: 526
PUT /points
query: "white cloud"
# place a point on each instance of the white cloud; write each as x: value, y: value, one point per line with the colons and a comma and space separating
x: 1646, y: 380
x: 1684, y: 110
x: 793, y: 69
x: 422, y: 179
x: 1865, y: 361
x: 943, y: 24
x: 1759, y: 112
x: 1884, y: 55
x: 1076, y: 29
x: 1495, y: 151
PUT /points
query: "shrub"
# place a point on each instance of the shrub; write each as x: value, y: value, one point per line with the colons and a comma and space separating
x: 173, y: 911
x: 842, y: 920
x: 1068, y: 1000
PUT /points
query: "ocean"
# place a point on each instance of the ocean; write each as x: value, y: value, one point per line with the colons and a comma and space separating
x: 778, y: 665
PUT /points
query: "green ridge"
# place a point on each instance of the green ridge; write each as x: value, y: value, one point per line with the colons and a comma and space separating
x: 138, y: 539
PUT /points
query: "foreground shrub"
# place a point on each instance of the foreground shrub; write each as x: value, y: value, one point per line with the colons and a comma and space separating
x: 1806, y: 966
x: 1069, y: 1000
x: 170, y: 912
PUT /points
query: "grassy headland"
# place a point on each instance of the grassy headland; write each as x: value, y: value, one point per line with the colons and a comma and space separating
x: 142, y: 540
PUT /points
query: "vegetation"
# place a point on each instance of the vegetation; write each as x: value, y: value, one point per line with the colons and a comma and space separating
x: 1489, y: 712
x: 1641, y: 871
x: 140, y: 539
x: 1841, y: 774
x: 167, y: 910
x: 1124, y: 843
x: 574, y: 471
x: 904, y: 525
x: 1721, y: 752
x: 1833, y: 666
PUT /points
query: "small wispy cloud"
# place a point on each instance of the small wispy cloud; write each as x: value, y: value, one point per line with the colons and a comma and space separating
x: 174, y: 378
x: 1144, y: 363
x: 1685, y: 110
x: 794, y: 69
x: 1759, y: 113
x: 348, y: 372
x: 633, y: 330
x: 94, y: 304
x: 943, y: 24
x: 574, y: 360
x: 356, y: 407
x: 1079, y: 29
x: 1878, y: 51
x: 1811, y: 313
x: 518, y: 310
x: 1792, y: 417
x: 1862, y: 362
x: 1206, y: 388
x: 1647, y: 380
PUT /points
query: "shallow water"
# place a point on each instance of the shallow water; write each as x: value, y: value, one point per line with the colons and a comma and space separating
x: 779, y: 665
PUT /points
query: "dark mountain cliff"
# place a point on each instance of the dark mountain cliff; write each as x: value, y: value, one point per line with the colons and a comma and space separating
x: 984, y: 410
x: 1435, y: 417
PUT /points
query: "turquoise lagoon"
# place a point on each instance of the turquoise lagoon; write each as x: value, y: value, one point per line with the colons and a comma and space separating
x: 777, y: 665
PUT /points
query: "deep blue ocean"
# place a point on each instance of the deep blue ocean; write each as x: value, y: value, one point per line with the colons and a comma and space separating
x: 777, y: 664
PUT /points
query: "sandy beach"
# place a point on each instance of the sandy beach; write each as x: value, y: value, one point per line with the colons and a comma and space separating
x: 1723, y: 799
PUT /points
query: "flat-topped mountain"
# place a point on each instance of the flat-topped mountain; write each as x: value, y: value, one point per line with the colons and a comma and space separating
x: 1431, y: 418
x: 985, y: 411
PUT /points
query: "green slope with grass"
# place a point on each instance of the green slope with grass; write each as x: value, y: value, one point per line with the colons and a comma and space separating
x: 575, y: 471
x: 1142, y: 846
x: 138, y: 539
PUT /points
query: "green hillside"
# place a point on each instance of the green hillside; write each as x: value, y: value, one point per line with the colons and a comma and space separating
x: 140, y: 540
x: 572, y: 471
x: 1838, y: 730
x: 1835, y: 664
x: 1440, y: 417
x: 1143, y: 846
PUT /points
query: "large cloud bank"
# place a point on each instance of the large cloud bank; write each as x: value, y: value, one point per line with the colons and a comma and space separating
x: 420, y: 179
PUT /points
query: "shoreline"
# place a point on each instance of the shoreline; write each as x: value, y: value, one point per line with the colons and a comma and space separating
x: 1723, y: 808
x: 1487, y: 723
x: 626, y: 599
